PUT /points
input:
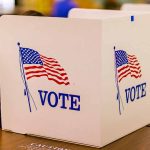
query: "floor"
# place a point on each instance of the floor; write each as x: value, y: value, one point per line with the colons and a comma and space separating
x: 139, y: 140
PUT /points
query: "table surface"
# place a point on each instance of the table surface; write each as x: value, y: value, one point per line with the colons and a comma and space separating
x: 138, y: 140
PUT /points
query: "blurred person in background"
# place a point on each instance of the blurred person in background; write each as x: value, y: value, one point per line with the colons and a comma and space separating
x: 32, y: 13
x: 43, y: 6
x: 148, y: 1
x: 93, y: 4
x: 62, y: 7
x: 16, y: 2
x: 112, y: 4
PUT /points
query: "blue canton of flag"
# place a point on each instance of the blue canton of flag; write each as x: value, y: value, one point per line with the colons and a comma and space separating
x: 121, y: 58
x: 30, y: 56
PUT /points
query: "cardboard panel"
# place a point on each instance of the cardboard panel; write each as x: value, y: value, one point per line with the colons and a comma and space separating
x: 66, y: 92
x: 123, y: 33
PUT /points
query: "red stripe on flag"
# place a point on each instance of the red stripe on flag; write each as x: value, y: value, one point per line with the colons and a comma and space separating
x: 132, y: 68
x: 125, y: 75
x: 50, y: 69
x: 52, y: 79
x: 43, y: 71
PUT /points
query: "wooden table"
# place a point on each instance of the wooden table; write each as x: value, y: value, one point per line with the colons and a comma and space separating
x: 139, y: 140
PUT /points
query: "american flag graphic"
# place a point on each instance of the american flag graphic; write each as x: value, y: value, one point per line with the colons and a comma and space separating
x: 37, y: 65
x: 127, y: 65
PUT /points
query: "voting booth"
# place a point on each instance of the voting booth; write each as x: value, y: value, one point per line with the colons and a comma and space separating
x: 77, y: 80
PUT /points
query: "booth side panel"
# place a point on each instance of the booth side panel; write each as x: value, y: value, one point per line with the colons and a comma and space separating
x: 125, y: 76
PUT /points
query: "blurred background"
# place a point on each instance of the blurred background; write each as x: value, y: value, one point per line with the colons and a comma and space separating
x: 57, y: 8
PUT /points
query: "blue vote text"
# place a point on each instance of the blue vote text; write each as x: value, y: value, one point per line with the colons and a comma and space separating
x: 135, y: 92
x: 61, y: 100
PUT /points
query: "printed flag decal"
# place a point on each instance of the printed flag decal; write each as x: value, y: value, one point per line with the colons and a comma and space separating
x: 35, y: 65
x: 125, y: 66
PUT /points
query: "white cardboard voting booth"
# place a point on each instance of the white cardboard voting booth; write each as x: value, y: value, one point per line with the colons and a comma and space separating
x: 78, y: 80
